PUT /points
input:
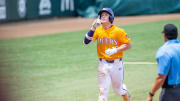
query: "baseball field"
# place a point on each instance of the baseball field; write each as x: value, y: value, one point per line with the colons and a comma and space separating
x: 58, y: 67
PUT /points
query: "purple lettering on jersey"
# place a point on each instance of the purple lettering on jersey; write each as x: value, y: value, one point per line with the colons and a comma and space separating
x: 115, y: 42
x: 107, y: 41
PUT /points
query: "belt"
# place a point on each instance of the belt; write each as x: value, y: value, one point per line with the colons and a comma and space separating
x: 173, y: 86
x: 110, y: 61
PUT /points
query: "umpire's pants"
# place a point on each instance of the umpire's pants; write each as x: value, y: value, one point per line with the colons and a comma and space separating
x: 170, y: 94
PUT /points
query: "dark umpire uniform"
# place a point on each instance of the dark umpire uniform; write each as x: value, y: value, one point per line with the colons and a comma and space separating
x: 168, y: 59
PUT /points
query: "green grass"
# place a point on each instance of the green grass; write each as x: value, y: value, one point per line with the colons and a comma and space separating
x: 60, y: 68
x: 146, y: 39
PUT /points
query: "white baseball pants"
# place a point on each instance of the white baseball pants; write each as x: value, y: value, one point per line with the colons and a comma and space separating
x: 111, y: 73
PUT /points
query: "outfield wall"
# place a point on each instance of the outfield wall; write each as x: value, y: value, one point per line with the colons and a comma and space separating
x: 12, y: 10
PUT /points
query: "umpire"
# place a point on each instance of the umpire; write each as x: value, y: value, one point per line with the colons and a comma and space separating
x: 168, y: 59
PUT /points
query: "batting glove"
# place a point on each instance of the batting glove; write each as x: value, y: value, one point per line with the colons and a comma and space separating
x: 110, y: 52
x: 95, y: 24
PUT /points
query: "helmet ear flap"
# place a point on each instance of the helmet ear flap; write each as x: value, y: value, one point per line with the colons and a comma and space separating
x: 111, y: 18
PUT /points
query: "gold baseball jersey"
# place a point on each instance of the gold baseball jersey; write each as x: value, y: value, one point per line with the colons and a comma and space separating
x: 112, y: 37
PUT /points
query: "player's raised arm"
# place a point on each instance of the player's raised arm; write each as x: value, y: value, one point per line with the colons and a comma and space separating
x: 89, y: 35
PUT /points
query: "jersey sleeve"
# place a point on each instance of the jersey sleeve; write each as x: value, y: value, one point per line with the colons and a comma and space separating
x: 123, y: 37
x: 95, y: 36
x: 163, y: 60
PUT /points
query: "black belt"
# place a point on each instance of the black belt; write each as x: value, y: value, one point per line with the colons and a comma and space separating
x: 172, y: 86
x: 109, y: 61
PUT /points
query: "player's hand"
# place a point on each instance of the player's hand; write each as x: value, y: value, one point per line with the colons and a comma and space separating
x: 149, y: 98
x: 110, y: 52
x: 95, y: 24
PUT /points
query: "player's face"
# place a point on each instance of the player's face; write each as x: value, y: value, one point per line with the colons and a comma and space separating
x: 104, y: 17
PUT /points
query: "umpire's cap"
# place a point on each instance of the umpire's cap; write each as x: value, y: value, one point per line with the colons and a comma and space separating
x: 108, y: 10
x: 170, y: 31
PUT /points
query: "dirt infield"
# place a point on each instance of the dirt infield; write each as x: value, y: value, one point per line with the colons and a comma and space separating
x: 51, y: 26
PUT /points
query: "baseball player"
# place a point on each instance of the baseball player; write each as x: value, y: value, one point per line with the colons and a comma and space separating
x: 111, y: 42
